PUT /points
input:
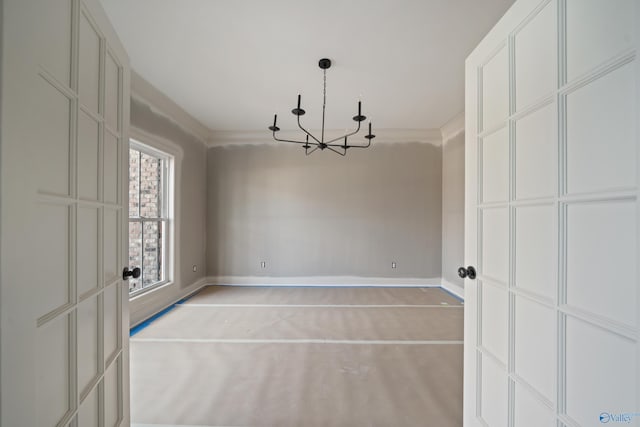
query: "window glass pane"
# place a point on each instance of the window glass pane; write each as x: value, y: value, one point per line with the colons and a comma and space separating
x: 147, y: 180
x: 134, y: 181
x: 152, y: 253
x: 135, y: 253
x: 150, y: 186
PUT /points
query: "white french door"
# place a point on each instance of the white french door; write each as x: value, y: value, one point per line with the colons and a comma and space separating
x: 552, y: 217
x: 65, y: 117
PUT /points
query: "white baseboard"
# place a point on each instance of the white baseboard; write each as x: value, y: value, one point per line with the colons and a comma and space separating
x: 453, y: 288
x: 147, y: 305
x: 349, y: 281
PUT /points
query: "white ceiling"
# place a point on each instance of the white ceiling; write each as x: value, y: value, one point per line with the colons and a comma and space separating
x: 232, y: 64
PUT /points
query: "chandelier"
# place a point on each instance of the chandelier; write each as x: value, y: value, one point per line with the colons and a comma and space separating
x: 314, y: 144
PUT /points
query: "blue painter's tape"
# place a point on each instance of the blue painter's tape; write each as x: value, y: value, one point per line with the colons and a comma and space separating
x: 140, y: 326
x: 452, y: 294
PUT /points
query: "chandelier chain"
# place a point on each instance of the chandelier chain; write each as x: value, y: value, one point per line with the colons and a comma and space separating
x: 324, y: 101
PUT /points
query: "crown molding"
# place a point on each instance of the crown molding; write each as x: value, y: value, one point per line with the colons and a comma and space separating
x: 161, y: 104
x: 383, y: 136
x: 453, y: 128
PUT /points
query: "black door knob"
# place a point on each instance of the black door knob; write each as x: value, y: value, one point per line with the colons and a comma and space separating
x: 469, y: 272
x: 126, y: 273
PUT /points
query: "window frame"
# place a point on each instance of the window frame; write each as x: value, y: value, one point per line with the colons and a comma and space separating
x: 172, y: 154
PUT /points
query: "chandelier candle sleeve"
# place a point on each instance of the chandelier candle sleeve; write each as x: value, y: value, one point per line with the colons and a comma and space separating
x: 320, y: 143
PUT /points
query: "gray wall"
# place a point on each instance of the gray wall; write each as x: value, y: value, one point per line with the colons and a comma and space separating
x: 453, y: 208
x: 192, y: 190
x: 324, y: 215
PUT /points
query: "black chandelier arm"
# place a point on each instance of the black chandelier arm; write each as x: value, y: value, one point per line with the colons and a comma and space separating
x: 361, y: 146
x: 307, y: 132
x: 350, y: 146
x: 289, y: 140
x: 336, y: 151
x: 346, y: 136
x: 307, y: 152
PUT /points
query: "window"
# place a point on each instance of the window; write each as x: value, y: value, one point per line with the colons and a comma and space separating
x: 150, y: 212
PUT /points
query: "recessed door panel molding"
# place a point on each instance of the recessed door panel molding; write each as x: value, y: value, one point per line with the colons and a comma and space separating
x: 601, y: 133
x: 111, y: 224
x: 535, y: 64
x: 601, y: 235
x: 63, y: 214
x: 88, y: 344
x: 495, y: 244
x: 495, y: 89
x: 495, y: 166
x: 112, y: 90
x: 89, y: 64
x: 112, y: 395
x: 112, y: 323
x: 535, y: 244
x: 55, y: 372
x: 88, y: 270
x: 53, y: 140
x: 111, y: 157
x: 601, y: 369
x: 529, y: 411
x: 554, y: 230
x: 536, y: 334
x: 88, y: 414
x: 52, y: 246
x: 494, y: 382
x: 88, y: 156
x: 596, y: 32
x: 536, y: 154
x: 53, y: 40
x: 495, y: 315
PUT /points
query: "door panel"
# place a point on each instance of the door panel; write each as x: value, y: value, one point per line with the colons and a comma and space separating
x: 530, y: 411
x: 551, y: 216
x: 600, y: 133
x: 535, y: 62
x: 495, y: 87
x: 54, y: 376
x: 535, y: 248
x: 596, y: 32
x: 495, y: 244
x: 535, y: 332
x: 89, y: 65
x: 495, y: 316
x: 601, y: 235
x: 64, y: 346
x: 493, y: 383
x: 88, y: 344
x: 495, y: 166
x: 88, y: 156
x: 601, y: 369
x: 535, y: 154
x: 53, y: 139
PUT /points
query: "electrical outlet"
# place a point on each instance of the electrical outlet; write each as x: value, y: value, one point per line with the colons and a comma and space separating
x: 263, y: 264
x: 393, y: 264
x: 195, y: 268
